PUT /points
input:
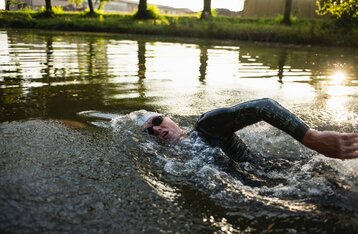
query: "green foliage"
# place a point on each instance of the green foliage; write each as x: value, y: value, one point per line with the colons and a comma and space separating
x: 279, y: 19
x: 303, y: 31
x: 207, y: 16
x: 88, y: 13
x: 57, y: 9
x: 152, y: 12
x: 214, y: 13
x: 27, y: 10
x: 77, y: 3
x: 344, y: 11
x: 45, y: 14
x: 20, y: 19
x: 15, y: 3
x: 101, y: 6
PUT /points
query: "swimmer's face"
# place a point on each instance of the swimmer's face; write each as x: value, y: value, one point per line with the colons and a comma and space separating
x: 164, y: 128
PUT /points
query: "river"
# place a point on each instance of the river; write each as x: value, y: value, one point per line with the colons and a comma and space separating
x: 72, y: 159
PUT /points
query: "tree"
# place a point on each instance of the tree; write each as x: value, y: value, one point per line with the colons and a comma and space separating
x: 344, y: 11
x: 7, y: 5
x: 91, y: 9
x: 287, y: 13
x: 48, y: 10
x: 142, y: 9
x: 207, y: 9
x: 146, y: 12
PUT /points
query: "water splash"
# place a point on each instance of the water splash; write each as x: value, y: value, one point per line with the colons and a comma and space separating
x: 284, y: 175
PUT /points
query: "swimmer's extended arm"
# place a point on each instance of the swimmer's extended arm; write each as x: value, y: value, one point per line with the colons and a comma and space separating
x: 220, y: 125
x: 225, y: 121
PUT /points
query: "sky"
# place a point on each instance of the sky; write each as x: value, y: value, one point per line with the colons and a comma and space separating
x: 197, y: 5
x: 2, y: 4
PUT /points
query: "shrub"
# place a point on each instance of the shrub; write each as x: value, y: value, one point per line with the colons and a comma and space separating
x: 344, y: 11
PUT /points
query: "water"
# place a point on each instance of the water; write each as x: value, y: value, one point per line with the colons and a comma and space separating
x: 65, y: 168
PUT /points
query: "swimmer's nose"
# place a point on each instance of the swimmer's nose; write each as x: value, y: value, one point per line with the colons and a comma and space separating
x: 157, y: 129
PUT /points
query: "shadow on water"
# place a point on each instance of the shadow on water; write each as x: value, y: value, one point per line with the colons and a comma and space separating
x: 104, y: 175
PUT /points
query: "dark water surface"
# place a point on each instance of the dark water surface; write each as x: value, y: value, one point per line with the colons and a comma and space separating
x: 61, y: 171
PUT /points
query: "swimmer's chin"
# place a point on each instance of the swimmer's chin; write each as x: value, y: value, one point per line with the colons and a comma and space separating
x: 174, y: 139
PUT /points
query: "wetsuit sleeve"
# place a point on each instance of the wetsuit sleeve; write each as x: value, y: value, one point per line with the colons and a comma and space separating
x: 219, y: 126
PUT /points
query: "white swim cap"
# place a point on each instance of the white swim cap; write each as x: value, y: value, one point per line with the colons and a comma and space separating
x: 142, y: 116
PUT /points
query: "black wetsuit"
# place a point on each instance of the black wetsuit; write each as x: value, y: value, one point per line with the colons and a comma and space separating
x: 218, y: 126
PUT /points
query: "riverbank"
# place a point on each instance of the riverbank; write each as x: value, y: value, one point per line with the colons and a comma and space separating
x: 311, y: 32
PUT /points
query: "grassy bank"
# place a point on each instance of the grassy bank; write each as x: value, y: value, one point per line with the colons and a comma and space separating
x: 318, y: 32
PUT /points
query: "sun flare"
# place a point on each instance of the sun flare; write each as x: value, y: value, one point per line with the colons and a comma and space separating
x: 338, y: 76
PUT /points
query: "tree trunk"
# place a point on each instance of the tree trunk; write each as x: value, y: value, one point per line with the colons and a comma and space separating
x: 7, y: 5
x: 48, y: 6
x: 101, y: 5
x: 287, y: 14
x: 207, y: 9
x: 90, y: 5
x: 282, y: 59
x: 203, y: 63
x: 49, y: 60
x: 141, y: 60
x: 142, y: 9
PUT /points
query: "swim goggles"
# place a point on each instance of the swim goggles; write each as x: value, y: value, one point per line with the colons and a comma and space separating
x: 156, y: 121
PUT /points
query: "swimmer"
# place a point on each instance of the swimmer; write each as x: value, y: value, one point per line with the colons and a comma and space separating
x: 218, y: 127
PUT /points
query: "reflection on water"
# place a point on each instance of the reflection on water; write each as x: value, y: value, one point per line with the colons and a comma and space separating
x: 55, y: 76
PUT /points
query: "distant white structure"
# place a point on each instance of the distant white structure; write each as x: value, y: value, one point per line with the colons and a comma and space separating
x: 2, y: 4
x: 131, y: 5
x: 272, y: 8
x: 111, y: 6
x: 36, y: 4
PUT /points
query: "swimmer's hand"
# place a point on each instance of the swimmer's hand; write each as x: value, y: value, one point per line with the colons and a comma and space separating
x: 332, y: 144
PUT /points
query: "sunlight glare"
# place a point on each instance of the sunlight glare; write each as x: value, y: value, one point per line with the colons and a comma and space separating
x: 338, y: 77
x: 338, y: 104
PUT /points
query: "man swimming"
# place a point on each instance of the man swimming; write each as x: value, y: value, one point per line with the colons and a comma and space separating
x: 218, y: 128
